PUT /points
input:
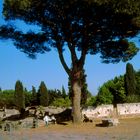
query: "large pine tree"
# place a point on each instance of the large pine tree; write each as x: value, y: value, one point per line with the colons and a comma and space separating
x: 81, y: 27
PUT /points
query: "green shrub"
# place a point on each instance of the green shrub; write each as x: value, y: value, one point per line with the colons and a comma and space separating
x: 61, y: 102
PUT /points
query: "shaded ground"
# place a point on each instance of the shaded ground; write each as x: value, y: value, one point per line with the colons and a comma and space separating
x: 128, y: 129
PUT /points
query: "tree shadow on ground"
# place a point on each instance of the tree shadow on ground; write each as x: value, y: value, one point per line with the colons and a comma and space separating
x: 16, y: 117
x: 101, y: 125
x: 63, y: 117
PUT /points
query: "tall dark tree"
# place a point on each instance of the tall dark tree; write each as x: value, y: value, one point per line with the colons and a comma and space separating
x: 34, y: 96
x: 85, y: 26
x: 19, y: 97
x: 138, y: 82
x: 27, y: 97
x: 130, y: 80
x: 43, y: 92
x: 64, y: 95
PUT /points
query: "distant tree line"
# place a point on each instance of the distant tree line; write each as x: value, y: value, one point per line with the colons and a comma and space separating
x: 20, y: 97
x: 121, y: 89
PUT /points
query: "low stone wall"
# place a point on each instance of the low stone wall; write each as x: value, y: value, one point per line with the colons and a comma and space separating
x: 99, y: 111
x: 122, y: 110
x: 127, y: 109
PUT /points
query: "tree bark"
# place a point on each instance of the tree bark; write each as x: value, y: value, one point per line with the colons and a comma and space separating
x: 75, y: 74
x: 76, y: 99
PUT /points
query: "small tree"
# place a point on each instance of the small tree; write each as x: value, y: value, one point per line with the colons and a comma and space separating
x: 7, y: 98
x: 104, y: 96
x: 130, y: 80
x: 64, y: 95
x: 19, y: 97
x: 34, y: 96
x: 43, y: 94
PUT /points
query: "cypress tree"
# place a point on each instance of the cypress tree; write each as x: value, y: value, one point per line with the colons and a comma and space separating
x: 130, y: 80
x: 34, y: 96
x: 43, y: 94
x: 64, y: 95
x: 19, y: 97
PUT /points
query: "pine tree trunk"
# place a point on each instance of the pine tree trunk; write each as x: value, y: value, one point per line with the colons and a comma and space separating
x: 76, y: 111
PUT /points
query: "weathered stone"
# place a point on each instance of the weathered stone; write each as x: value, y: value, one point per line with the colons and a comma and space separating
x: 110, y: 122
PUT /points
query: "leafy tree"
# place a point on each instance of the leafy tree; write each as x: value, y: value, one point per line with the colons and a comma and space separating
x: 130, y: 80
x: 114, y: 90
x: 44, y: 98
x: 61, y: 102
x: 85, y: 26
x: 19, y: 97
x: 118, y: 90
x: 7, y: 98
x: 54, y: 95
x: 133, y: 99
x: 104, y: 96
x: 91, y: 101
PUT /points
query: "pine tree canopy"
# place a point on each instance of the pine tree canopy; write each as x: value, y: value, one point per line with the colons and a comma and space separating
x: 89, y: 26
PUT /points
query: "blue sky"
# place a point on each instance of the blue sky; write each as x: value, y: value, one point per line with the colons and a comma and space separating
x: 15, y: 65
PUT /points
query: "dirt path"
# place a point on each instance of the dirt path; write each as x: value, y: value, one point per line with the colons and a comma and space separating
x: 128, y: 129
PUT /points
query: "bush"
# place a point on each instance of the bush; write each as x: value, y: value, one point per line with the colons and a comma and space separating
x: 104, y: 96
x: 133, y: 98
x: 91, y: 101
x: 61, y: 102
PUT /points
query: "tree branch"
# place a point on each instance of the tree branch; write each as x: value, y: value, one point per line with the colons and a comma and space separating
x: 82, y: 58
x: 60, y: 52
x: 73, y: 54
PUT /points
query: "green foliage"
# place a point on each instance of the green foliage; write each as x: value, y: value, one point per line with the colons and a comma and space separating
x: 34, y: 96
x: 43, y: 94
x: 19, y: 96
x: 137, y: 75
x: 28, y: 97
x: 114, y: 90
x: 91, y: 101
x: 7, y: 98
x: 133, y: 98
x: 130, y: 80
x: 64, y: 95
x: 125, y: 89
x: 118, y: 90
x: 83, y: 19
x: 104, y: 96
x: 61, y: 102
x: 55, y: 94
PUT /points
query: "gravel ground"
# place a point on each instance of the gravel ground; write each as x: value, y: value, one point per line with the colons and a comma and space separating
x: 128, y: 129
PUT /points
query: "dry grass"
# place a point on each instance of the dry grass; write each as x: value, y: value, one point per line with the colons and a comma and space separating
x: 128, y: 129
